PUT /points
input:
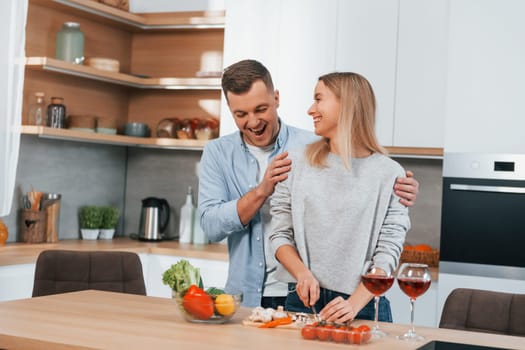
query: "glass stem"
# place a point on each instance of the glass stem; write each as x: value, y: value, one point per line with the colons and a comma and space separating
x: 412, y: 330
x: 376, y: 317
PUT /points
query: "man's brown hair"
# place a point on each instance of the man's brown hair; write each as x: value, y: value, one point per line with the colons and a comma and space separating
x: 239, y: 77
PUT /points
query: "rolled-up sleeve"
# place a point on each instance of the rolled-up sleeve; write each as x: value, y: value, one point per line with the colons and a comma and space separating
x: 281, y: 225
x: 218, y: 213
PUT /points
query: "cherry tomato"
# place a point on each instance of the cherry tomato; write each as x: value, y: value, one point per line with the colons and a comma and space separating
x: 339, y: 335
x: 324, y: 332
x: 309, y: 332
x: 354, y: 336
x: 363, y: 328
x: 365, y: 332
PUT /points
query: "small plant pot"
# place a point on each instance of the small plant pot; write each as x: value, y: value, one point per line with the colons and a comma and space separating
x: 89, y: 233
x: 106, y: 233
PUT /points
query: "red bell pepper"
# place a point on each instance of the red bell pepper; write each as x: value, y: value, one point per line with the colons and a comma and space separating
x: 198, y: 303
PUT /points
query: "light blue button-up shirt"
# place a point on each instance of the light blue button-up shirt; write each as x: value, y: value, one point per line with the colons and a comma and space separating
x: 228, y: 171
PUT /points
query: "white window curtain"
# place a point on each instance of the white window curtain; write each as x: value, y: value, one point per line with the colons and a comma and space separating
x: 13, y: 16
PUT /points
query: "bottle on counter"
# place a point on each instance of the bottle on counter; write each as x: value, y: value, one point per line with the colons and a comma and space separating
x: 37, y: 110
x: 199, y: 236
x: 186, y: 218
x: 70, y: 43
x: 56, y: 113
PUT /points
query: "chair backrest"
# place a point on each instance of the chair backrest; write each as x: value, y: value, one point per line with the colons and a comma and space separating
x: 484, y: 311
x: 61, y: 271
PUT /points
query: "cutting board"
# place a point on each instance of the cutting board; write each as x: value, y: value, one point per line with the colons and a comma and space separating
x: 292, y: 325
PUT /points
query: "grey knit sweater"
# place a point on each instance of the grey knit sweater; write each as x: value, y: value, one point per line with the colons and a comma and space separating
x: 337, y: 219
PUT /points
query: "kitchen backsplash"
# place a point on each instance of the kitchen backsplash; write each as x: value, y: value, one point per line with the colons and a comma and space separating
x: 97, y: 174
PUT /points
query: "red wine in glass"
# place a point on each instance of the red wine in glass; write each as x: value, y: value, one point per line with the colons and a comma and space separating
x: 413, y: 287
x: 377, y: 281
x: 376, y: 284
x: 414, y: 280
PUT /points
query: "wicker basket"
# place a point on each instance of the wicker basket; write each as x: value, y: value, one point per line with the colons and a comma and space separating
x: 430, y: 258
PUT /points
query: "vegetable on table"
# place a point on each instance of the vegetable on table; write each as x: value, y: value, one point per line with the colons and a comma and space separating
x: 224, y: 304
x: 181, y: 276
x: 198, y: 303
x: 277, y: 322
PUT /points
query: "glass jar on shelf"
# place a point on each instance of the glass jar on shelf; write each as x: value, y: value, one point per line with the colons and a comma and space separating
x: 70, y: 43
x: 56, y: 113
x: 37, y: 110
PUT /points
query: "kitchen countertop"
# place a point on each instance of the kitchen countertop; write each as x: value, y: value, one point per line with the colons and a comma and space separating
x: 27, y: 253
x: 105, y: 320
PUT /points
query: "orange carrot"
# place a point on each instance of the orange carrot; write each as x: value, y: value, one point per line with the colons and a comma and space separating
x: 277, y: 322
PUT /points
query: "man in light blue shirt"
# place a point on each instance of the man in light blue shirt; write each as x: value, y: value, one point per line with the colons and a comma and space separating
x: 238, y: 173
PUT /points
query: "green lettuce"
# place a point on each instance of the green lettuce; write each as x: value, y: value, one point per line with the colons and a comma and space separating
x: 181, y: 276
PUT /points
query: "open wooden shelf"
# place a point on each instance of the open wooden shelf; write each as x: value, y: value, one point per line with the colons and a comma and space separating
x: 415, y: 152
x: 119, y: 140
x: 54, y: 65
x: 138, y: 22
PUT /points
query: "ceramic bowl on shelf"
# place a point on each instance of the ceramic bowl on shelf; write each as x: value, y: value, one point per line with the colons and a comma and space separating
x: 136, y: 129
x: 208, y: 309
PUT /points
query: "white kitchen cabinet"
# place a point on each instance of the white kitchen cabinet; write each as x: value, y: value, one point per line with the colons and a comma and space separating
x: 399, y: 46
x: 485, y: 109
x: 213, y: 272
x: 294, y: 39
x: 16, y: 281
x: 421, y: 71
x: 366, y: 44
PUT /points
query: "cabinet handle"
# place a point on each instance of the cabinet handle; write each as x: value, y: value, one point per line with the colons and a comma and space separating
x: 498, y: 189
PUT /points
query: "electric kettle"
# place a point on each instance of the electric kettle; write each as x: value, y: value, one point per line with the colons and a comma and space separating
x: 154, y: 218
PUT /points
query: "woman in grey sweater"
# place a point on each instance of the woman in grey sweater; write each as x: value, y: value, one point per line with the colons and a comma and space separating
x: 337, y: 208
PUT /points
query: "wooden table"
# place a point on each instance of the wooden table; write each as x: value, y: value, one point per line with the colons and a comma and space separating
x: 104, y: 320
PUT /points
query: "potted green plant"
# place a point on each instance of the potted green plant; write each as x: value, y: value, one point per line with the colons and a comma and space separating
x: 110, y: 216
x: 90, y: 221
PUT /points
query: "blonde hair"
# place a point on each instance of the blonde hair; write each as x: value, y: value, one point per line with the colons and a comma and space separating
x: 356, y: 121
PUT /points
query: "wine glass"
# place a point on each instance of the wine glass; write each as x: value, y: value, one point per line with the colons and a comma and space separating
x: 414, y: 280
x: 377, y: 281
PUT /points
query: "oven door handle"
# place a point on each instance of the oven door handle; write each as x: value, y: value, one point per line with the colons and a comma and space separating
x: 497, y: 189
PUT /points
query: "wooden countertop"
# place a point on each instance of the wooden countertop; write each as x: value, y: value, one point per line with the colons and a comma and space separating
x: 25, y: 253
x: 104, y: 320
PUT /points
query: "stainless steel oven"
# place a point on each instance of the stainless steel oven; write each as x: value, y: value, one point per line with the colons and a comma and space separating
x: 483, y: 215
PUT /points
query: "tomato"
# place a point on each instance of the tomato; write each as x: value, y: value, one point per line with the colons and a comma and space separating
x: 363, y: 328
x: 354, y: 336
x: 309, y: 332
x: 339, y: 335
x: 197, y: 303
x: 324, y: 332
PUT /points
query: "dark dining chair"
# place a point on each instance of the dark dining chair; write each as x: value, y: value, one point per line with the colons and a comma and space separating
x: 62, y: 271
x: 484, y: 311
